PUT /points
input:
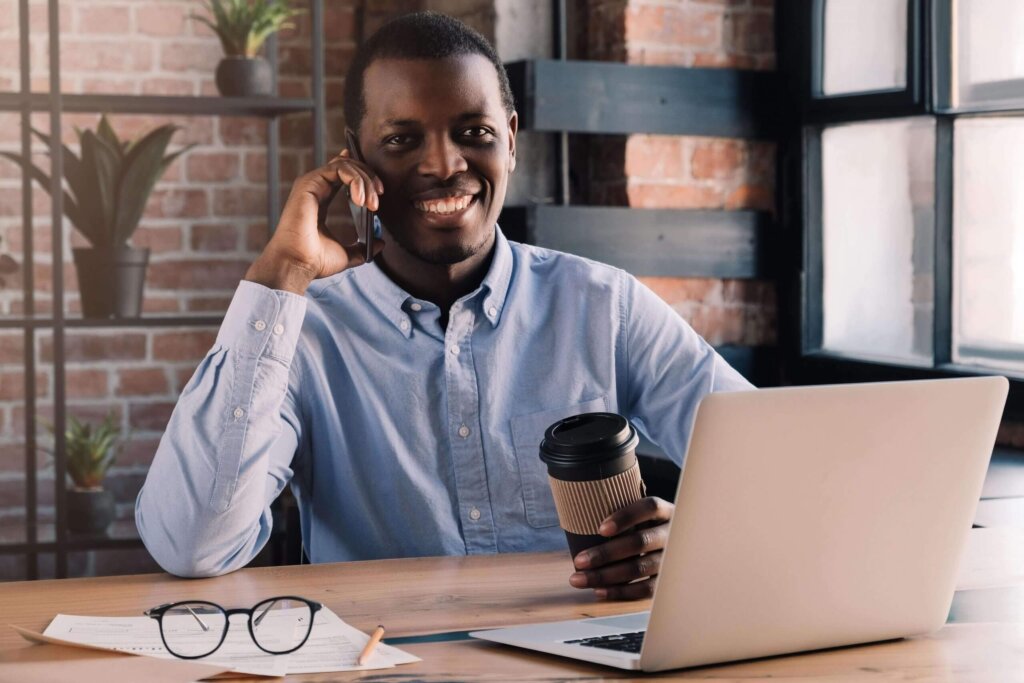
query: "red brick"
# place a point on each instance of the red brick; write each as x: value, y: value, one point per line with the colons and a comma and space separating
x: 207, y: 304
x: 751, y: 197
x: 723, y: 60
x: 158, y: 240
x: 212, y: 166
x: 718, y: 159
x: 650, y: 196
x: 138, y: 451
x: 673, y: 25
x: 150, y: 416
x: 106, y: 19
x: 106, y: 56
x: 168, y: 86
x: 90, y: 346
x: 654, y: 156
x: 12, y: 348
x: 183, y: 203
x: 109, y: 86
x: 142, y: 382
x: 239, y: 201
x: 86, y: 383
x: 204, y: 275
x: 12, y: 385
x: 160, y: 19
x: 256, y: 237
x: 184, y: 346
x: 677, y: 290
x: 158, y: 304
x: 201, y: 56
x: 339, y: 22
x: 750, y: 32
x: 214, y: 237
x: 242, y: 131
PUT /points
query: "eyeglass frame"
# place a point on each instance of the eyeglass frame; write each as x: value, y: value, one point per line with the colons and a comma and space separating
x: 159, y: 612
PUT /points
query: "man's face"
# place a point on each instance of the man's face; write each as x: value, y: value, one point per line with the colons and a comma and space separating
x: 436, y: 133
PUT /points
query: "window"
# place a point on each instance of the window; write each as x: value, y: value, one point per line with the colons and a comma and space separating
x: 910, y: 132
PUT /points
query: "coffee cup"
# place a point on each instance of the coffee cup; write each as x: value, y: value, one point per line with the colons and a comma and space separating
x: 593, y: 471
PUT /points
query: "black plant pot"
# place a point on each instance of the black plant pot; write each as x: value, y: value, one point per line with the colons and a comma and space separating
x: 244, y: 76
x: 110, y: 281
x: 90, y: 511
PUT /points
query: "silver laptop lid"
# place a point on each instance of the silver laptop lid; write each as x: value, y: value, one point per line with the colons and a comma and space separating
x: 809, y: 517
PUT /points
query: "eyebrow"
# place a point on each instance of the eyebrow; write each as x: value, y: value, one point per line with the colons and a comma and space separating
x: 405, y: 123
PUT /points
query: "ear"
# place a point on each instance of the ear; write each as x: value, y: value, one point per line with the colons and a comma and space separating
x: 513, y: 127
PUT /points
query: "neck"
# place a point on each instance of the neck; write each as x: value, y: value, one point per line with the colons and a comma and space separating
x: 441, y: 284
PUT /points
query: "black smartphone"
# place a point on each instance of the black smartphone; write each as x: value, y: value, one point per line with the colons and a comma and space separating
x: 365, y: 220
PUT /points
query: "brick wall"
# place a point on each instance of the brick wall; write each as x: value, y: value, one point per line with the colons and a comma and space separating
x: 681, y: 172
x: 206, y: 220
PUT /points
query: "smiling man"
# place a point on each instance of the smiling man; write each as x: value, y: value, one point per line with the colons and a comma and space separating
x: 404, y: 400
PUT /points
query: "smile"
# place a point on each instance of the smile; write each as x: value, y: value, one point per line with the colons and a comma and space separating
x: 446, y: 206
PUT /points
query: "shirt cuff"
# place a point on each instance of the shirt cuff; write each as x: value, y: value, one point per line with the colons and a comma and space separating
x: 262, y: 321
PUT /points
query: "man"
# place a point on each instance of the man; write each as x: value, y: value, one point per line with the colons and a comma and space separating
x: 405, y: 400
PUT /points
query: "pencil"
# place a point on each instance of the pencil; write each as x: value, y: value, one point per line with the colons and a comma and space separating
x: 371, y: 645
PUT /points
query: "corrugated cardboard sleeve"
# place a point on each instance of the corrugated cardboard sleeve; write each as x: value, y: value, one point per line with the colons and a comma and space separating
x: 583, y: 505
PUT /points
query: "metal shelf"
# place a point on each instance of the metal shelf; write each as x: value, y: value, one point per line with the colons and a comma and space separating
x: 268, y: 107
x: 40, y: 323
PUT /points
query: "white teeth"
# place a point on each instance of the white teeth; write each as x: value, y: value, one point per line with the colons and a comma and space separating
x: 445, y: 206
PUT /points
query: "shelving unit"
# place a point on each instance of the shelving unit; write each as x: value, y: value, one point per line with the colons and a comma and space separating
x: 56, y: 323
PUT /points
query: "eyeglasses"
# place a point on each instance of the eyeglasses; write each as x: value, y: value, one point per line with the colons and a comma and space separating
x: 196, y: 628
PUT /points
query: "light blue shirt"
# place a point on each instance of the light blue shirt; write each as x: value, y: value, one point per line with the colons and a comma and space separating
x: 401, y: 438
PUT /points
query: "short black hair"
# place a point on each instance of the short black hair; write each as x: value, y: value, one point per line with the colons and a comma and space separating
x: 421, y: 35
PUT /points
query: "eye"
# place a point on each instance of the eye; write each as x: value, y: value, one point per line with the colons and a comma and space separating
x: 398, y: 140
x: 477, y: 132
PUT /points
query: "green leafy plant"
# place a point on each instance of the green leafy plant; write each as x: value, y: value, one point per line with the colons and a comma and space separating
x: 110, y: 182
x: 243, y: 25
x: 91, y: 450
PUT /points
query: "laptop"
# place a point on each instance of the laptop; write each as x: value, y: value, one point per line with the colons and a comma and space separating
x: 806, y: 518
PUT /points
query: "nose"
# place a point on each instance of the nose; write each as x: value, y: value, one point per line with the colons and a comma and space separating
x: 442, y: 158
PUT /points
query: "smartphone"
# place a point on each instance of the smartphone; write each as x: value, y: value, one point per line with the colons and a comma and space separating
x: 366, y: 221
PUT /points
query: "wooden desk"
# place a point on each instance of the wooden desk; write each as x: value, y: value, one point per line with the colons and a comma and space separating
x: 438, y: 595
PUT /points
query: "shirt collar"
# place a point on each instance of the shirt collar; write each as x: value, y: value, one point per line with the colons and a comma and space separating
x: 393, y: 301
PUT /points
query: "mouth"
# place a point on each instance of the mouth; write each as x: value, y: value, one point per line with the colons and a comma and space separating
x: 445, y: 207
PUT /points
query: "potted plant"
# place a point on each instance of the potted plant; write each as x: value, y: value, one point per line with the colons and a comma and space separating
x: 109, y: 187
x: 91, y: 450
x: 242, y: 26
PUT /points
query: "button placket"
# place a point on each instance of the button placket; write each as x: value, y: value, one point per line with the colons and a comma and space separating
x: 467, y: 453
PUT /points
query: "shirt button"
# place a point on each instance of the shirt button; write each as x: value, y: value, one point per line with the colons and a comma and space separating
x: 463, y: 431
x: 492, y: 311
x: 278, y: 329
x: 238, y: 413
x: 404, y: 324
x: 260, y: 325
x: 416, y: 307
x: 454, y: 349
x: 474, y: 514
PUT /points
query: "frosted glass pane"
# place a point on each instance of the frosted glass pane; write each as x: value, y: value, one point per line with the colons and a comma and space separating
x: 988, y: 228
x: 989, y: 54
x: 878, y: 231
x: 865, y: 49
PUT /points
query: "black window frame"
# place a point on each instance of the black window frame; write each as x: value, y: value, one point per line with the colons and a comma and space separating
x: 799, y: 37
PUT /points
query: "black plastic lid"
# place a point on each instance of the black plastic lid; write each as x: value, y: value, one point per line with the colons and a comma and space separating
x: 588, y: 438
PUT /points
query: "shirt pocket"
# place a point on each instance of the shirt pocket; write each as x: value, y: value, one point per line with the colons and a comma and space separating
x: 527, y: 433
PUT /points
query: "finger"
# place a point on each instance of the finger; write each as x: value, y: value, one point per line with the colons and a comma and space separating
x: 649, y: 509
x: 623, y: 547
x: 634, y: 568
x: 367, y: 194
x: 640, y: 590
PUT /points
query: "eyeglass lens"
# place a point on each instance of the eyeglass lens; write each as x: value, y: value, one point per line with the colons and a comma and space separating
x: 280, y: 625
x: 193, y: 629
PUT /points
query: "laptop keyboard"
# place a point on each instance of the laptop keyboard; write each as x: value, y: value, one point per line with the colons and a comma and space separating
x: 623, y: 642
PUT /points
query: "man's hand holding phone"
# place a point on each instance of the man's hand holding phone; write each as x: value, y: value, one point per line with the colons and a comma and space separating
x: 301, y: 250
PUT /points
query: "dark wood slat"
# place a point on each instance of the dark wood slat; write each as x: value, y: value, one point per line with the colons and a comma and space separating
x: 666, y: 242
x: 162, y: 104
x: 604, y: 97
